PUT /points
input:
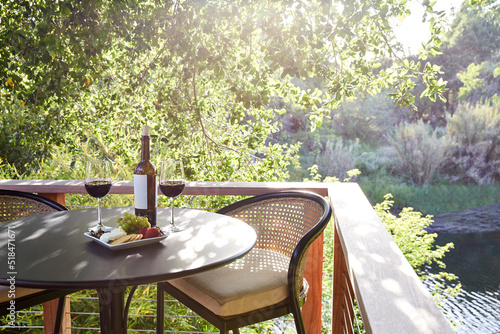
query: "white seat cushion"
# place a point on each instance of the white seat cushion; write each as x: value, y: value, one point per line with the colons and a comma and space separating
x: 257, y: 280
x: 20, y: 292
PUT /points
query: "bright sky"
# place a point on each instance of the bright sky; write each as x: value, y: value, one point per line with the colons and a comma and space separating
x: 411, y: 32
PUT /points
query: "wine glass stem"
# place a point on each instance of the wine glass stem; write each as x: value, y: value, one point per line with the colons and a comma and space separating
x: 172, y: 211
x: 99, y: 217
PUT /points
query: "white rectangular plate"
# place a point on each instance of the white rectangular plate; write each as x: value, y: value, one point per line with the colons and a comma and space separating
x: 130, y: 244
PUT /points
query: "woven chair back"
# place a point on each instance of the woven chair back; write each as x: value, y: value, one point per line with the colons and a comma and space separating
x: 13, y: 206
x: 280, y: 224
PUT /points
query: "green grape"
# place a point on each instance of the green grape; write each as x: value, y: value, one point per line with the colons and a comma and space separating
x: 132, y: 223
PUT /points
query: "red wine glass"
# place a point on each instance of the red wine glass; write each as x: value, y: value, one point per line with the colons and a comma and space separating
x: 172, y: 184
x: 98, y: 184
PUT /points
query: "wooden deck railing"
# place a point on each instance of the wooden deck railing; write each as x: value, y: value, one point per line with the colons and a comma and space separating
x: 368, y: 266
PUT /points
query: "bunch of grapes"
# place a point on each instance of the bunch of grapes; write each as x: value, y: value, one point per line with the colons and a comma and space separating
x: 132, y: 223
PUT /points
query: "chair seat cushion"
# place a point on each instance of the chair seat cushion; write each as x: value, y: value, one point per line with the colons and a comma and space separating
x: 20, y: 292
x: 257, y: 280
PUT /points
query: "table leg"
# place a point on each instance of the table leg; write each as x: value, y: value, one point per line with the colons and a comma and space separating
x: 112, y: 311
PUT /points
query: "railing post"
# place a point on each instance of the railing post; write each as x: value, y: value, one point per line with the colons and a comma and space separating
x: 311, y: 311
x: 50, y: 307
x: 56, y: 197
x: 343, y: 301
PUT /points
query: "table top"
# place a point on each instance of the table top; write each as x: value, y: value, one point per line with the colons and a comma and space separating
x: 51, y: 250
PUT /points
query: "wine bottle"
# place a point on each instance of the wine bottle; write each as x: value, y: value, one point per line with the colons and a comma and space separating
x: 145, y: 183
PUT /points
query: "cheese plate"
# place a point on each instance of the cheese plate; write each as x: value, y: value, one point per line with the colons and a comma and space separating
x: 128, y: 244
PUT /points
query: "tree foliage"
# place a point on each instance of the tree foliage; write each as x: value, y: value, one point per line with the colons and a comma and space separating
x: 202, y: 73
x: 472, y: 38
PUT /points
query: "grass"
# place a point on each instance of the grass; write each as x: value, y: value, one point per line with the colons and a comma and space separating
x: 432, y: 199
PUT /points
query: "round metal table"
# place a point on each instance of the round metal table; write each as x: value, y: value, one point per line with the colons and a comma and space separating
x: 52, y: 252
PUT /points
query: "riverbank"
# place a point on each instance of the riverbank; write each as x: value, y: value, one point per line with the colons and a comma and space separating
x: 475, y: 220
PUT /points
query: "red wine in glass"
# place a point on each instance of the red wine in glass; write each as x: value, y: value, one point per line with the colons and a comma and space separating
x: 98, y: 188
x: 98, y: 184
x: 172, y: 184
x: 172, y: 188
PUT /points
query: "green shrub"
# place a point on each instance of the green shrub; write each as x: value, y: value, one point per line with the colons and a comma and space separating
x: 475, y: 135
x: 408, y: 231
x: 421, y: 151
x: 378, y: 162
x: 337, y: 158
x: 8, y: 171
x: 366, y: 119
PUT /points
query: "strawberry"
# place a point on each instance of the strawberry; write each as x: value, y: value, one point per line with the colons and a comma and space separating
x: 142, y: 231
x: 152, y: 232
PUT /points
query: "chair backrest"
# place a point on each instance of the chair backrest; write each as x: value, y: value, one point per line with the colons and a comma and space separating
x: 17, y: 204
x: 285, y: 222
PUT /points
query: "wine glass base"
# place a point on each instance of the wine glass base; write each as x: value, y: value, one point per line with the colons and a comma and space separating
x: 173, y: 229
x: 103, y: 227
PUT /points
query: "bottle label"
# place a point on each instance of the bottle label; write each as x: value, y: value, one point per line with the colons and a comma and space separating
x: 141, y: 198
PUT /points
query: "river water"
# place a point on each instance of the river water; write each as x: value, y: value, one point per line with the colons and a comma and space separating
x: 476, y: 261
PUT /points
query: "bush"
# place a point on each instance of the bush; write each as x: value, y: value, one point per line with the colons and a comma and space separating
x: 378, y: 162
x: 475, y: 136
x: 8, y: 171
x: 421, y: 151
x: 337, y: 158
x: 408, y: 231
x: 367, y: 119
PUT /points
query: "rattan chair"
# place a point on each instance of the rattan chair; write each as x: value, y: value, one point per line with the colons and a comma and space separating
x: 17, y: 204
x: 269, y: 281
